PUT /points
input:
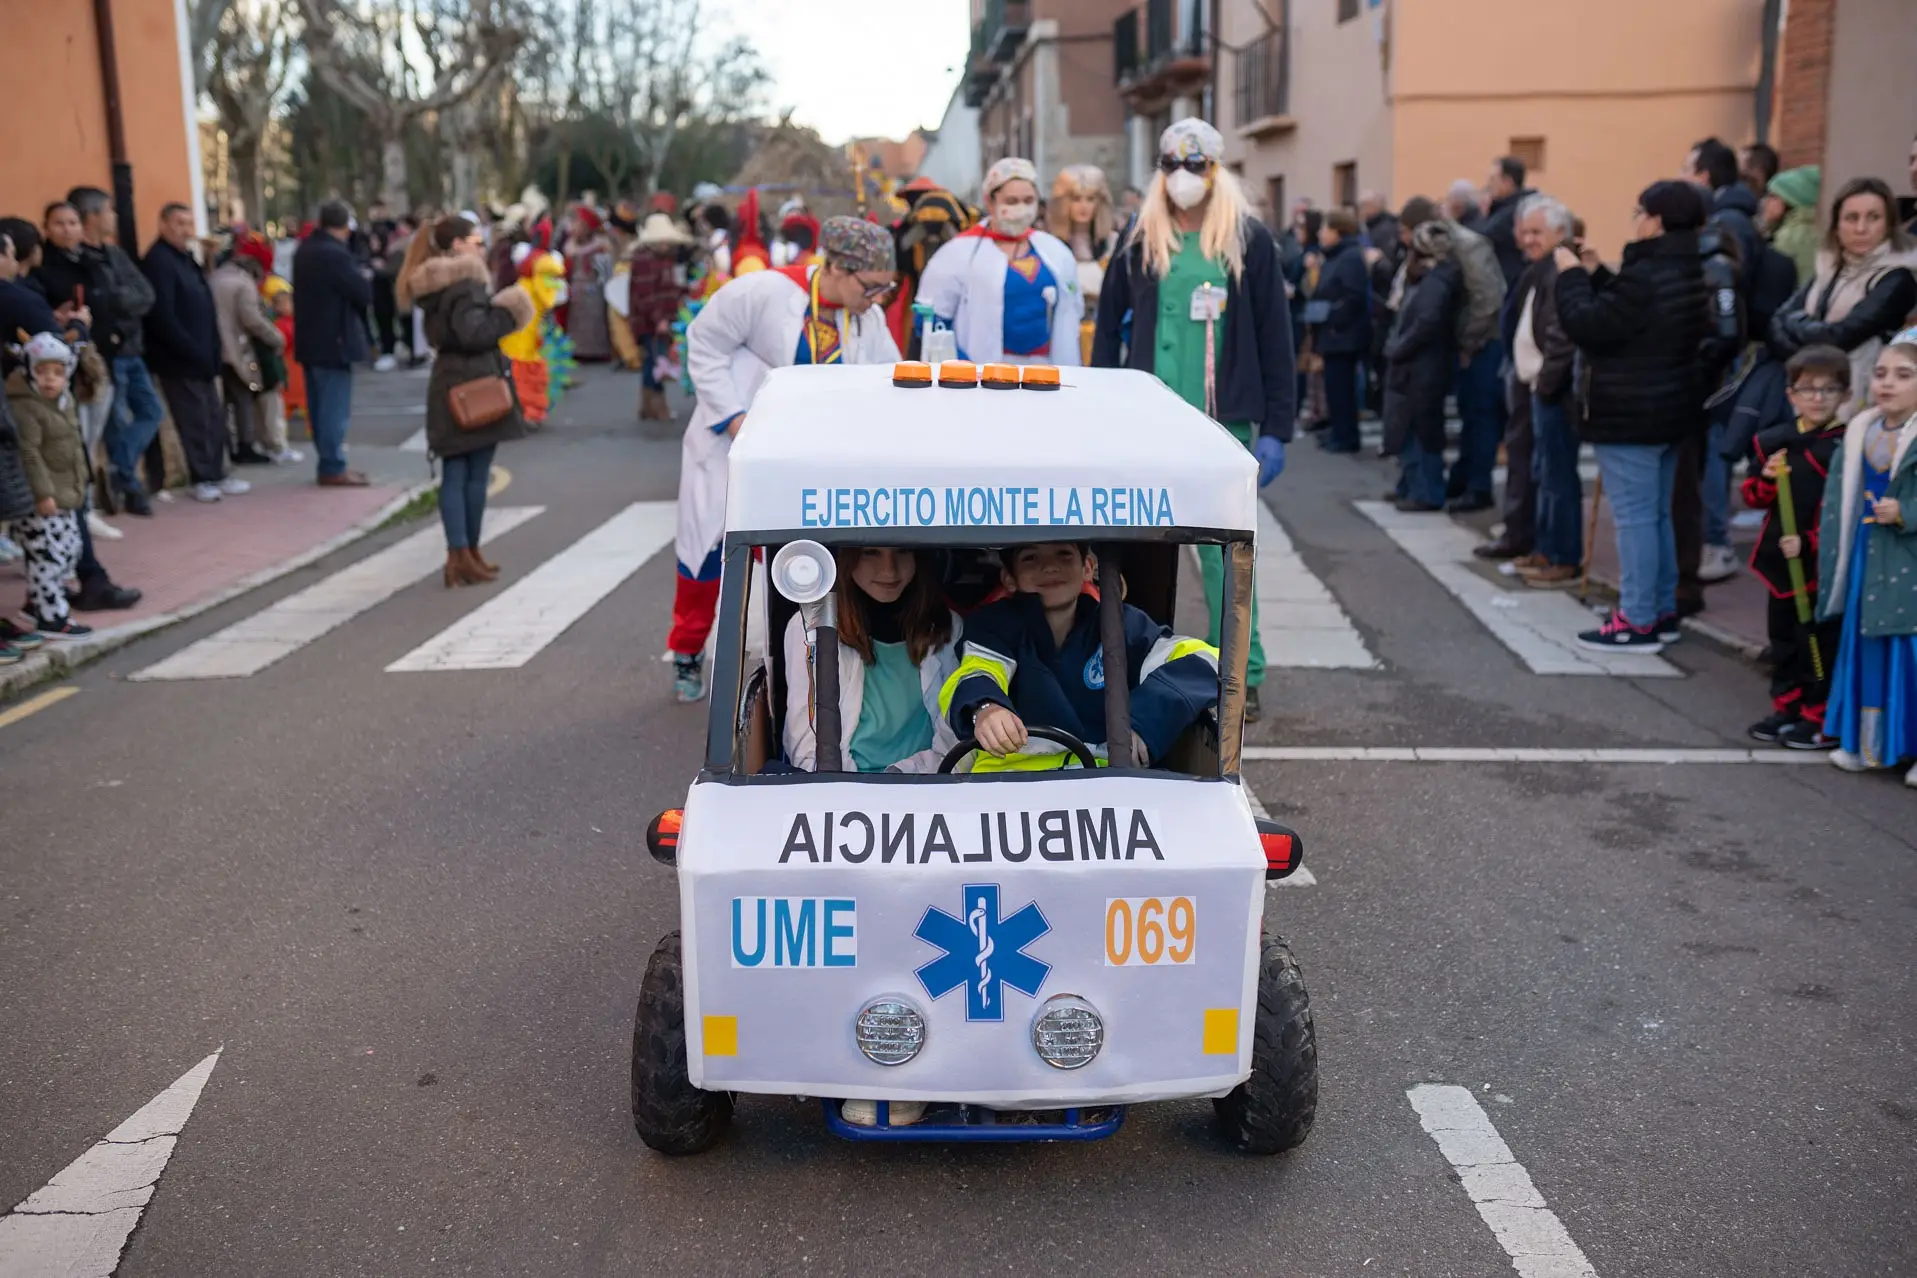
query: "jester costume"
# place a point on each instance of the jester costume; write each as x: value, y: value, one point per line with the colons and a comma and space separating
x: 543, y: 276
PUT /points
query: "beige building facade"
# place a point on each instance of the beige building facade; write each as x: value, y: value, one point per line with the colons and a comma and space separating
x: 1324, y: 99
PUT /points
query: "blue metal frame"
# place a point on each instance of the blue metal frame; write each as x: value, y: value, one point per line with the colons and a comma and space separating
x: 976, y: 1123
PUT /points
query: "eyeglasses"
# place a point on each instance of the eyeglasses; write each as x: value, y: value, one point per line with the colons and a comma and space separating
x: 1818, y: 392
x: 873, y: 292
x: 1191, y: 164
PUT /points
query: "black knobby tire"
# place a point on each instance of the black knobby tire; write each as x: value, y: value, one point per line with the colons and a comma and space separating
x: 1272, y: 1110
x: 669, y: 1113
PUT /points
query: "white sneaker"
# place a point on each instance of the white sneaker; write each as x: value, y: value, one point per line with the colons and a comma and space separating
x: 385, y: 364
x: 101, y: 529
x: 865, y: 1113
x: 1910, y: 777
x: 1842, y: 758
x: 206, y: 492
x: 1718, y: 563
x: 233, y: 486
x: 289, y: 456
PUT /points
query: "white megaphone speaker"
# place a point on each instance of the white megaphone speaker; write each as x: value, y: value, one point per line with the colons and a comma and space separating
x: 804, y: 571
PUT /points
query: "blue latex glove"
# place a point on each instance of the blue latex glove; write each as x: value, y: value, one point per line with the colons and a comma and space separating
x: 1270, y: 452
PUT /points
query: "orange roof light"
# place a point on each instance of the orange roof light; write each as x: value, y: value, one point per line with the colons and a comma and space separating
x: 958, y: 372
x: 911, y: 372
x: 1041, y: 377
x: 1000, y: 376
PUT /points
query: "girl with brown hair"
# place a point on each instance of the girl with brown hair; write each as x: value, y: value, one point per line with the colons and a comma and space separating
x: 897, y: 647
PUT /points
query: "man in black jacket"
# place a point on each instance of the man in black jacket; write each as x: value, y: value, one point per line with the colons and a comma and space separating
x: 1343, y: 336
x: 331, y: 291
x: 183, y: 351
x: 1507, y: 190
x: 1639, y: 330
x: 120, y: 297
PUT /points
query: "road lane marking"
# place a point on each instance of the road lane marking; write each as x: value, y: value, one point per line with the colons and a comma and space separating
x: 1300, y: 877
x: 496, y: 481
x: 1500, y: 1188
x: 34, y: 705
x: 1523, y: 754
x: 512, y: 628
x: 250, y: 645
x: 415, y: 442
x: 77, y: 1224
x: 1540, y: 627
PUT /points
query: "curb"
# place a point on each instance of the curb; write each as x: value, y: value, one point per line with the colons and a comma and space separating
x: 56, y: 660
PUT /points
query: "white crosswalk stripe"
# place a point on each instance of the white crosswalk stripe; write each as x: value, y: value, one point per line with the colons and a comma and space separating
x: 1540, y: 627
x: 249, y: 646
x: 1299, y: 622
x: 511, y: 628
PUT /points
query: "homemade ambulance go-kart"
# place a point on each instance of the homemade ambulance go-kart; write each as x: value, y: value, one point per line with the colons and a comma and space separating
x: 1027, y: 952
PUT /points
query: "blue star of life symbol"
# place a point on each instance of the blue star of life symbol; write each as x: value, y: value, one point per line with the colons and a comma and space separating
x: 983, y: 952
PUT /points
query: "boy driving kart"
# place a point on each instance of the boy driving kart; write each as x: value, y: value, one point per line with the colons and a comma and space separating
x: 1036, y: 657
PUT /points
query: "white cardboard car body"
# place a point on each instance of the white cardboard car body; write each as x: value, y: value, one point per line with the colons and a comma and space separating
x: 803, y: 897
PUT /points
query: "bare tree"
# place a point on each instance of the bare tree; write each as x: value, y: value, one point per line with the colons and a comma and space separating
x: 203, y: 19
x: 252, y: 53
x: 644, y: 66
x: 401, y: 61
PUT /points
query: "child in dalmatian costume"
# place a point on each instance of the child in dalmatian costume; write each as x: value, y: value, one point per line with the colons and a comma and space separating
x: 53, y: 453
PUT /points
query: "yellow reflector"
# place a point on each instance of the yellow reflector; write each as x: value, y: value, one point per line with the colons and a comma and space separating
x: 1221, y: 1031
x: 911, y: 373
x: 958, y: 372
x: 722, y: 1034
x: 1000, y: 376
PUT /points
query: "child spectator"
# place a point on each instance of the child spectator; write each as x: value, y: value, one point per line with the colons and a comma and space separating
x: 1867, y: 553
x: 16, y: 502
x: 292, y: 397
x: 54, y: 457
x: 1798, y: 452
x: 1036, y: 656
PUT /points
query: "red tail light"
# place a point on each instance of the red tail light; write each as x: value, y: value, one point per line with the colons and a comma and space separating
x: 662, y: 836
x: 1284, y: 850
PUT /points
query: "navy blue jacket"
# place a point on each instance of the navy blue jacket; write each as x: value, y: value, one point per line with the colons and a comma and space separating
x: 1500, y: 226
x: 182, y: 332
x: 1345, y: 282
x: 1065, y: 687
x: 1257, y: 377
x: 330, y: 297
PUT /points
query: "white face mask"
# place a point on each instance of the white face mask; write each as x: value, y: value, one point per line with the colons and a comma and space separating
x: 1186, y: 188
x: 1015, y: 219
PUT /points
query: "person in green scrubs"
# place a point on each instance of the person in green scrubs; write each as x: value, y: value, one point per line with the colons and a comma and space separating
x: 897, y: 646
x: 1195, y: 296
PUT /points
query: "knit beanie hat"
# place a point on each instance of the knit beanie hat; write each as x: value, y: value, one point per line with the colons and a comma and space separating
x: 1679, y: 205
x: 1798, y: 187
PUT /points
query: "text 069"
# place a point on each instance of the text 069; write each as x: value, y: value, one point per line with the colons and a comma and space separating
x: 1149, y: 931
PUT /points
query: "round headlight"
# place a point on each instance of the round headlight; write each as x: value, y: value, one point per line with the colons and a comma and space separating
x: 1068, y: 1032
x: 889, y: 1030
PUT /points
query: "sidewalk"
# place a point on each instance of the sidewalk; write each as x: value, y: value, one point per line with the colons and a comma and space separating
x: 191, y: 557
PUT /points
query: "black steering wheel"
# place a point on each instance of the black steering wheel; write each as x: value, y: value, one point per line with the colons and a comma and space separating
x: 1044, y: 733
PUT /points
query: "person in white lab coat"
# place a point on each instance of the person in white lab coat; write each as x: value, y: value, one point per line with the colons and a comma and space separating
x: 1011, y: 293
x: 799, y: 314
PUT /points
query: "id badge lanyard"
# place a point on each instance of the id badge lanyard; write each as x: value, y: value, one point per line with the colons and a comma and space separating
x: 1208, y: 302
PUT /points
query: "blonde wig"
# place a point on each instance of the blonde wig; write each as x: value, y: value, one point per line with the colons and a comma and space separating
x: 1075, y: 180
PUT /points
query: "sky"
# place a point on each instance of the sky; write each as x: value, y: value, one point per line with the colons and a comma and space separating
x: 858, y: 68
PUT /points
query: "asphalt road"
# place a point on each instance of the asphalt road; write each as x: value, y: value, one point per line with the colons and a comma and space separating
x: 412, y: 911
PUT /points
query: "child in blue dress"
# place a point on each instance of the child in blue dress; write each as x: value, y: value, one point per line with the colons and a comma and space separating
x: 1868, y: 572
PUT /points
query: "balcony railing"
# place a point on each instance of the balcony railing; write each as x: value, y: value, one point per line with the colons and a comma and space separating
x: 980, y: 72
x: 1128, y: 59
x: 1158, y: 35
x: 1005, y: 24
x: 1263, y: 79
